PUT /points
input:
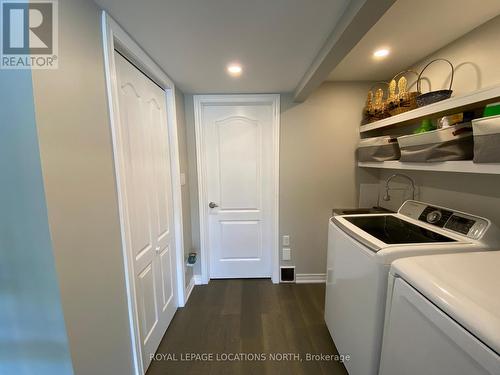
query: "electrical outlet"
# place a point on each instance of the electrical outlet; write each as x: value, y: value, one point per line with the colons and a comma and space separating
x: 286, y: 240
x: 286, y: 253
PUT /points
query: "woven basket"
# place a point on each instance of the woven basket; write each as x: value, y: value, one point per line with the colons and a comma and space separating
x: 374, y: 111
x: 434, y: 96
x: 403, y: 101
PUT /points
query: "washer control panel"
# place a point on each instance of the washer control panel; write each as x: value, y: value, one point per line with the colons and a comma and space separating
x: 458, y: 222
x: 471, y: 227
x: 435, y: 216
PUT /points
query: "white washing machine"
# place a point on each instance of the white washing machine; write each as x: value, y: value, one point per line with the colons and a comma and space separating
x: 443, y: 316
x: 360, y: 251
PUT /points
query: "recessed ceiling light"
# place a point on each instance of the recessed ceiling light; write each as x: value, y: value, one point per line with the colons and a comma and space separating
x: 234, y: 69
x: 380, y: 53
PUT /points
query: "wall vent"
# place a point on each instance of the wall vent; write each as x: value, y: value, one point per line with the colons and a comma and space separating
x: 287, y: 274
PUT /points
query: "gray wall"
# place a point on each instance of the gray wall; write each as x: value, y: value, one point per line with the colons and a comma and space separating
x: 78, y: 170
x: 77, y: 164
x: 477, y: 59
x: 184, y: 167
x: 317, y: 167
x: 478, y: 194
x: 33, y: 335
x: 193, y: 179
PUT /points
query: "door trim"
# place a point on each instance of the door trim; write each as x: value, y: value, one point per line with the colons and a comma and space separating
x: 115, y: 38
x: 199, y: 101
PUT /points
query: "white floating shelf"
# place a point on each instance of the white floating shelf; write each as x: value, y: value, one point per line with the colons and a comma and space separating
x: 445, y: 107
x: 466, y: 166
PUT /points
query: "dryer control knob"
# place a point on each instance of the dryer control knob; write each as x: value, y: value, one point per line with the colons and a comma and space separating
x: 434, y: 216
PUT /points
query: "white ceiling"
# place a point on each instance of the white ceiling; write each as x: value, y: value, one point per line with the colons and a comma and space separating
x: 412, y: 30
x: 193, y: 40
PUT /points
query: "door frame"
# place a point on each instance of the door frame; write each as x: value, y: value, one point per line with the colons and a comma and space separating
x: 115, y: 38
x: 199, y: 102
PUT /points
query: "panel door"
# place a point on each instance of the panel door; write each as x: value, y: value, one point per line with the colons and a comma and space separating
x: 147, y: 197
x: 238, y: 144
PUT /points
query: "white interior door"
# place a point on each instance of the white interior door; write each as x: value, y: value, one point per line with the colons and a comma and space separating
x: 238, y: 147
x: 142, y: 137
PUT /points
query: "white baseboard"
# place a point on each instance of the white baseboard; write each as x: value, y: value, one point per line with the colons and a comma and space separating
x: 189, y: 289
x: 310, y: 278
x: 300, y: 278
x: 197, y: 280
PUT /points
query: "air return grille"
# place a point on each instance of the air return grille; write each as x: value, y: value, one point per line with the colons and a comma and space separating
x: 287, y: 274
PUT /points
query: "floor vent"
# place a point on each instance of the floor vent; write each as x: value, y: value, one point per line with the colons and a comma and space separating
x: 287, y: 274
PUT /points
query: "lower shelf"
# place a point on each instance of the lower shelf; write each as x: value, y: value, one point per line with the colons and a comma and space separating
x: 466, y: 166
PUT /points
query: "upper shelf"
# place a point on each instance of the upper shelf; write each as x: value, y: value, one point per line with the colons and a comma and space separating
x: 458, y: 103
x: 461, y: 166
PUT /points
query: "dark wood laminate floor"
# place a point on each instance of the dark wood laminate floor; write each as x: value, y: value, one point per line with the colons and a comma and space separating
x: 251, y: 316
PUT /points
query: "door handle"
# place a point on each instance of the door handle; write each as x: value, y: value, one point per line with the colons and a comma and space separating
x: 213, y: 205
x: 157, y: 249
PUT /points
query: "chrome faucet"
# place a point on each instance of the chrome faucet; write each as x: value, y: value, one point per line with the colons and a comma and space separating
x: 387, y: 197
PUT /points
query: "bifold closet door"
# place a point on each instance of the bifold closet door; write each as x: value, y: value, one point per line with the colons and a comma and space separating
x: 147, y: 201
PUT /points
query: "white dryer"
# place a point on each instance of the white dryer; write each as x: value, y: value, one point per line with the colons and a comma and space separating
x: 443, y: 316
x: 360, y: 251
